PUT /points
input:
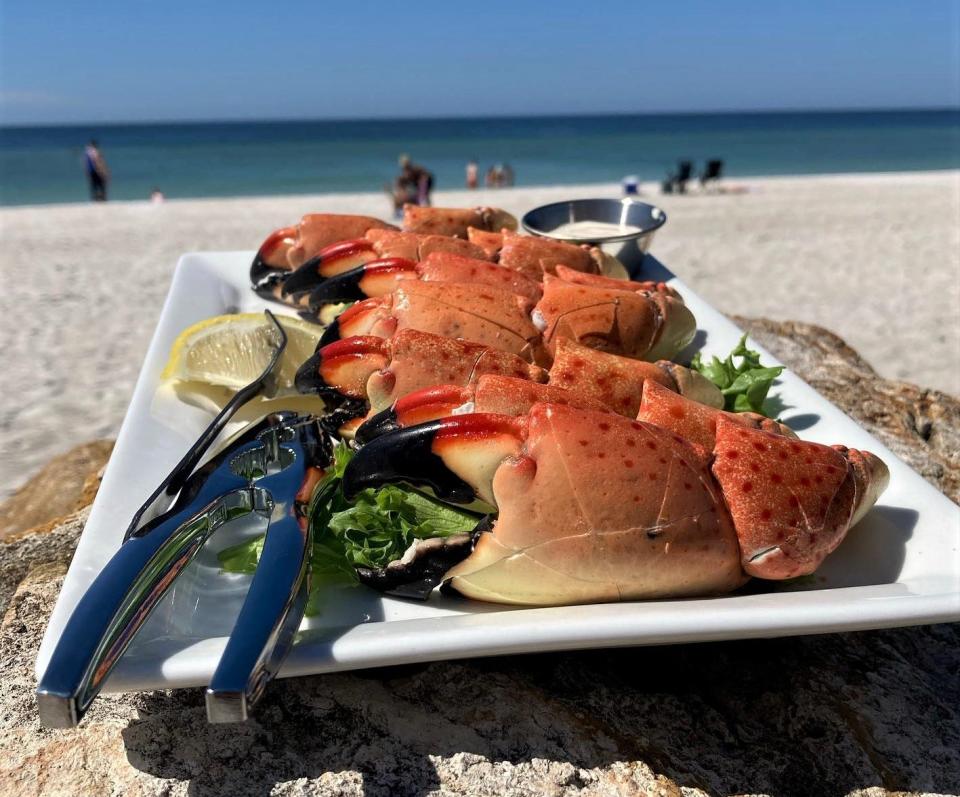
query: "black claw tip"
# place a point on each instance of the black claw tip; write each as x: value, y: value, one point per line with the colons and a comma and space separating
x: 308, y: 379
x: 406, y: 455
x: 377, y: 425
x: 339, y: 408
x: 343, y: 287
x: 330, y: 334
x: 266, y: 279
x: 305, y: 278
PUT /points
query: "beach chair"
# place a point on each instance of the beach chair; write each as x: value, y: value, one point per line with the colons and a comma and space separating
x: 711, y: 174
x: 676, y: 183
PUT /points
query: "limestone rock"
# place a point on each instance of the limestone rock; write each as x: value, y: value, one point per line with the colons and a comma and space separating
x: 20, y: 555
x: 67, y: 483
x: 921, y: 426
x: 867, y: 714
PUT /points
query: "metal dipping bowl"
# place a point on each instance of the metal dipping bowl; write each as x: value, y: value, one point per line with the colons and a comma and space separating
x: 628, y: 247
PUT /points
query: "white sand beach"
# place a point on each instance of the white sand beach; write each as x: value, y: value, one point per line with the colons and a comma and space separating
x: 874, y: 258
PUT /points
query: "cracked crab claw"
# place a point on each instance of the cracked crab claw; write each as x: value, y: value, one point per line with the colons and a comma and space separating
x: 372, y: 279
x: 792, y: 501
x: 600, y: 281
x: 491, y: 393
x: 455, y: 457
x: 480, y: 313
x: 339, y: 373
x: 455, y: 221
x: 367, y: 371
x: 591, y: 506
x: 380, y: 277
x: 695, y: 421
x: 288, y: 248
x: 641, y: 325
x: 328, y: 262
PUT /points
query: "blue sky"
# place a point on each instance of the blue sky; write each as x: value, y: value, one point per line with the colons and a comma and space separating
x: 64, y: 61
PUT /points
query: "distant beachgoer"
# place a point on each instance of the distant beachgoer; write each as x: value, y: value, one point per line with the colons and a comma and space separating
x: 473, y: 174
x: 156, y: 196
x: 97, y: 172
x: 506, y: 175
x: 417, y: 181
x: 413, y: 185
x: 492, y: 179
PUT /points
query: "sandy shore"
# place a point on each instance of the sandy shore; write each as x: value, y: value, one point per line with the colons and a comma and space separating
x: 875, y: 258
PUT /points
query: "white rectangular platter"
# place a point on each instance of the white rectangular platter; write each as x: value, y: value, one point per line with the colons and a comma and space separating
x: 899, y: 566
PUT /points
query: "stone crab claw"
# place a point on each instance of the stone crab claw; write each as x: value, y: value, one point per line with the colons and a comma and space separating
x: 636, y: 323
x: 617, y: 531
x: 792, y: 501
x: 618, y: 382
x: 492, y: 317
x: 663, y: 402
x: 339, y: 373
x: 362, y: 373
x: 455, y: 221
x: 328, y: 262
x: 647, y: 325
x: 288, y: 248
x: 381, y: 277
x: 455, y: 457
x: 536, y: 256
x: 270, y: 267
x: 491, y: 393
x: 600, y: 281
x: 372, y: 279
x: 377, y: 245
x: 596, y: 507
x: 380, y: 373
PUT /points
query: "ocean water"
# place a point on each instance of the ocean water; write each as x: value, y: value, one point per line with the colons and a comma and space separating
x: 45, y: 164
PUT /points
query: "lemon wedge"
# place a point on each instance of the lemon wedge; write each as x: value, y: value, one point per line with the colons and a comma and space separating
x: 230, y: 351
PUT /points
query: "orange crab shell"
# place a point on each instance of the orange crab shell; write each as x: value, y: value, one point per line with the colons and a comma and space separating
x: 617, y: 382
x: 616, y: 321
x: 319, y: 230
x: 490, y: 242
x: 449, y: 267
x: 418, y: 360
x: 694, y: 421
x: 482, y: 314
x: 595, y: 507
x: 792, y: 501
x: 538, y: 256
x: 455, y: 221
x: 492, y: 393
x: 413, y: 246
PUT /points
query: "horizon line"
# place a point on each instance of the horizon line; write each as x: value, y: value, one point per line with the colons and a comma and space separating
x: 423, y: 118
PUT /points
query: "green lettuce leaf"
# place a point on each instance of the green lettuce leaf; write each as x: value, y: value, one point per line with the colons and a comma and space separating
x: 243, y: 557
x: 380, y: 525
x: 370, y: 530
x: 745, y: 384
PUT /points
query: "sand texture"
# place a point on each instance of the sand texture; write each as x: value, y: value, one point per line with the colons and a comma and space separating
x: 875, y: 259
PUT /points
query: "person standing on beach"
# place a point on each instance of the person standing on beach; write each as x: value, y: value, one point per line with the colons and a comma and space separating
x: 413, y: 185
x: 473, y: 172
x: 418, y: 179
x: 97, y: 172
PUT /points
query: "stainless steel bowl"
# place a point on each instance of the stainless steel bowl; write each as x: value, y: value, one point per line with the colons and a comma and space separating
x: 626, y: 245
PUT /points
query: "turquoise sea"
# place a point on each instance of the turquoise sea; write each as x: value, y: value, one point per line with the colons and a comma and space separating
x: 44, y: 164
